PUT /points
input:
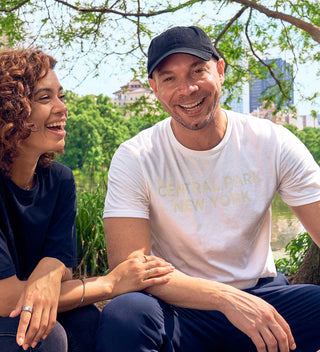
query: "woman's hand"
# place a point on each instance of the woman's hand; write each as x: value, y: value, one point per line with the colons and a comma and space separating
x: 41, y: 295
x: 136, y: 274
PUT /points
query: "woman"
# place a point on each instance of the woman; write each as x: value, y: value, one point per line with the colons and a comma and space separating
x: 37, y: 213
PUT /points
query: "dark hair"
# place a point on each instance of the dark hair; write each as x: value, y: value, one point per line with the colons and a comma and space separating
x: 20, y: 70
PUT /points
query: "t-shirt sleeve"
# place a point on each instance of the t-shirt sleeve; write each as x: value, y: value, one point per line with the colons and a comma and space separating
x: 299, y: 173
x: 60, y: 240
x: 7, y: 267
x: 127, y: 194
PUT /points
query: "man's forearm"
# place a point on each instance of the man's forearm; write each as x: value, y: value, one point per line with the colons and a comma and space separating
x: 191, y: 292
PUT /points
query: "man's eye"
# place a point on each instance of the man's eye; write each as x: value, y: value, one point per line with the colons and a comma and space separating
x: 62, y: 97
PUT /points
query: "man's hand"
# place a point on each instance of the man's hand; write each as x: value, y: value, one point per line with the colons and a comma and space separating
x: 259, y: 320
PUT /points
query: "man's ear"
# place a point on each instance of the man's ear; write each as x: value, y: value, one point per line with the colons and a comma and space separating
x: 220, y: 69
x: 153, y: 86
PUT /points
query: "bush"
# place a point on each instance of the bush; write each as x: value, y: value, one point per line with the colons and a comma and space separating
x: 296, y: 251
x: 90, y: 233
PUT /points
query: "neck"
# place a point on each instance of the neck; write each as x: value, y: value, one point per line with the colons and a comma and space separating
x: 204, y: 139
x: 23, y: 171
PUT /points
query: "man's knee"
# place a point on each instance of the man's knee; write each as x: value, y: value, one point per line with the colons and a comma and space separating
x: 130, y: 307
x: 132, y: 320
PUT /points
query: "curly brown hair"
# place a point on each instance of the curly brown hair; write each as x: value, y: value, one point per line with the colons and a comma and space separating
x: 20, y: 70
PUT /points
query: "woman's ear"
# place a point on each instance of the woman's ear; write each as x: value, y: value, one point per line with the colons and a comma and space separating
x: 32, y: 126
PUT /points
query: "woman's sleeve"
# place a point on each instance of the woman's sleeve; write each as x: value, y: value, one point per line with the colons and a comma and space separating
x: 7, y: 267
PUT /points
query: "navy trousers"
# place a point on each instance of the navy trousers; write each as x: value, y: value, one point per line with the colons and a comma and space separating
x: 74, y: 331
x: 138, y: 322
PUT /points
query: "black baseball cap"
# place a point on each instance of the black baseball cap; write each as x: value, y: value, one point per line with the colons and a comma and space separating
x: 180, y: 40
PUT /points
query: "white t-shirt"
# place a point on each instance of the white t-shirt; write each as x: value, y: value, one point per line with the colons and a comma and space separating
x: 209, y: 211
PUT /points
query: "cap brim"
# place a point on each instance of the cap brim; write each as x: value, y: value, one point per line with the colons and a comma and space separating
x: 204, y: 55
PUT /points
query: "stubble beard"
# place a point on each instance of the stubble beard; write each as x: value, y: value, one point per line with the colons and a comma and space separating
x: 210, y: 117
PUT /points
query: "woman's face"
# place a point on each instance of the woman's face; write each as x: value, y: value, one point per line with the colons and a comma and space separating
x: 48, y: 117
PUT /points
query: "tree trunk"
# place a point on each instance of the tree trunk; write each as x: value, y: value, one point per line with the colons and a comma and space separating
x: 309, y: 271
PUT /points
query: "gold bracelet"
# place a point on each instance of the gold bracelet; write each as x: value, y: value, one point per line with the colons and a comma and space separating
x: 83, y: 292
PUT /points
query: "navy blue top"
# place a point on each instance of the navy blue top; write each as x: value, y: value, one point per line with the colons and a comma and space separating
x: 37, y: 223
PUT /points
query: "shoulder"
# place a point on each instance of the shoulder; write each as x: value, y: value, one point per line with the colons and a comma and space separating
x: 57, y: 176
x: 146, y: 140
x: 257, y: 126
x: 57, y: 170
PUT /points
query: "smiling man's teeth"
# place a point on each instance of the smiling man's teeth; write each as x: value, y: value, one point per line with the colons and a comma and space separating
x: 191, y: 106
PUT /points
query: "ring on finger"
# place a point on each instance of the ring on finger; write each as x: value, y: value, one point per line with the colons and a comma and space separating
x: 27, y: 309
x: 150, y: 272
x: 145, y: 258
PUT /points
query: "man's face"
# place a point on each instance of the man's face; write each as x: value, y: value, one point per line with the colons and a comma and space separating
x: 189, y: 89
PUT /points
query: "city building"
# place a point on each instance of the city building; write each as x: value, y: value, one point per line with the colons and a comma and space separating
x: 256, y: 86
x: 281, y: 118
x: 130, y: 92
x: 302, y: 121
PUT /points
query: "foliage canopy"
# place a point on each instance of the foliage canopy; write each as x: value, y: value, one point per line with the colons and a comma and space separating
x: 243, y: 31
x: 96, y: 127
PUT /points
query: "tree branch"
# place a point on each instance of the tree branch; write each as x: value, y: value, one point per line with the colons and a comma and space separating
x: 229, y: 24
x: 225, y: 29
x: 313, y: 30
x: 15, y: 7
x: 129, y: 14
x: 138, y: 31
x: 262, y: 61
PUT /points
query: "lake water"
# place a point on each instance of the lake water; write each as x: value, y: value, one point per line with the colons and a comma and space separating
x: 285, y: 226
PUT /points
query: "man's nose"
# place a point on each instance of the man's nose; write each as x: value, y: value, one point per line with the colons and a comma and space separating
x: 187, y: 86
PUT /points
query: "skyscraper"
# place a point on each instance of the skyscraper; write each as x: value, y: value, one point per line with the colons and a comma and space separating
x: 258, y: 86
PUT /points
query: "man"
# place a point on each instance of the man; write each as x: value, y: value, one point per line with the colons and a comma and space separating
x: 196, y: 190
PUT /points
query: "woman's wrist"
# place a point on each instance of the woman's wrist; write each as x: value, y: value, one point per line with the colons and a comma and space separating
x: 107, y: 286
x: 52, y: 266
x: 83, y: 292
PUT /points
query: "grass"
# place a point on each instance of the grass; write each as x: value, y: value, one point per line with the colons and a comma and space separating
x: 91, y: 244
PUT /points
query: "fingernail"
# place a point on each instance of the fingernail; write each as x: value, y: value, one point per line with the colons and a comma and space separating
x: 293, y: 346
x: 44, y: 337
x: 34, y: 344
x: 20, y: 341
